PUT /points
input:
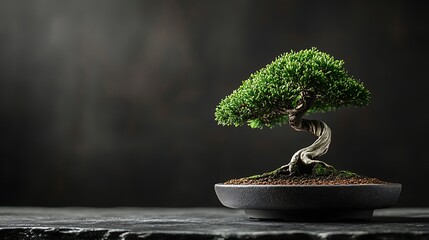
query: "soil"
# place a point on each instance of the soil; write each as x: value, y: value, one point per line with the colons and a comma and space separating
x: 306, y: 180
x: 319, y: 175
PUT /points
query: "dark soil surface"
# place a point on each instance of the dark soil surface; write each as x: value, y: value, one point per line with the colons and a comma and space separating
x: 319, y: 175
x: 306, y: 180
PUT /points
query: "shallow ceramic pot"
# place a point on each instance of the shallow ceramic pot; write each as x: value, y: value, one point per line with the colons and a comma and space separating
x: 309, y: 202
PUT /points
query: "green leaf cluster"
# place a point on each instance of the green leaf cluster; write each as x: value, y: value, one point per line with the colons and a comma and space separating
x: 263, y: 97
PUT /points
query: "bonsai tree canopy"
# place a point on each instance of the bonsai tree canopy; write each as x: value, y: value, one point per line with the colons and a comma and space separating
x: 293, y: 85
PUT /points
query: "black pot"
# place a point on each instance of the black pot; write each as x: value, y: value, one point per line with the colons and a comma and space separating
x: 309, y: 202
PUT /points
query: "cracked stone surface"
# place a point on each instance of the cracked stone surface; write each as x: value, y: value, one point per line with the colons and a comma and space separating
x: 198, y: 223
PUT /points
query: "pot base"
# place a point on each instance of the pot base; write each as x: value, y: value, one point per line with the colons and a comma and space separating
x: 313, y: 215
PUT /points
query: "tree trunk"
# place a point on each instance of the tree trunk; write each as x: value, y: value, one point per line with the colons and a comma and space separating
x: 305, y: 158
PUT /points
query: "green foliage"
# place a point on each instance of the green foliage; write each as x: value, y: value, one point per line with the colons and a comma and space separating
x: 261, y: 99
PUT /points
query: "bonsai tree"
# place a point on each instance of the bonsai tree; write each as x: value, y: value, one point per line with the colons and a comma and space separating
x: 293, y: 85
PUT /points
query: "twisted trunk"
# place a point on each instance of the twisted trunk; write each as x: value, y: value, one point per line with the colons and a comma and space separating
x: 305, y: 158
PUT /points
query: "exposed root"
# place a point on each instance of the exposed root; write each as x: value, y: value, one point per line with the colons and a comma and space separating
x: 283, y: 170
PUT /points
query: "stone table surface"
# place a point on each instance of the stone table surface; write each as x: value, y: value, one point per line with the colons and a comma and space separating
x: 198, y: 223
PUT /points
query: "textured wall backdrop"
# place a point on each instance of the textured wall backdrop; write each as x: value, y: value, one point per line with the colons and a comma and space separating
x: 110, y: 103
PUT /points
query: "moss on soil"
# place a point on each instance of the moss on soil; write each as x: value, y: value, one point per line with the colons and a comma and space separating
x: 318, y: 175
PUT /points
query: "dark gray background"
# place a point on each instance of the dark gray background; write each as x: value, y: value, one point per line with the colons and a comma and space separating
x: 111, y: 103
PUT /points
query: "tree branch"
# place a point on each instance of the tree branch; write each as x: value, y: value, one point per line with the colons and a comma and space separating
x: 295, y: 115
